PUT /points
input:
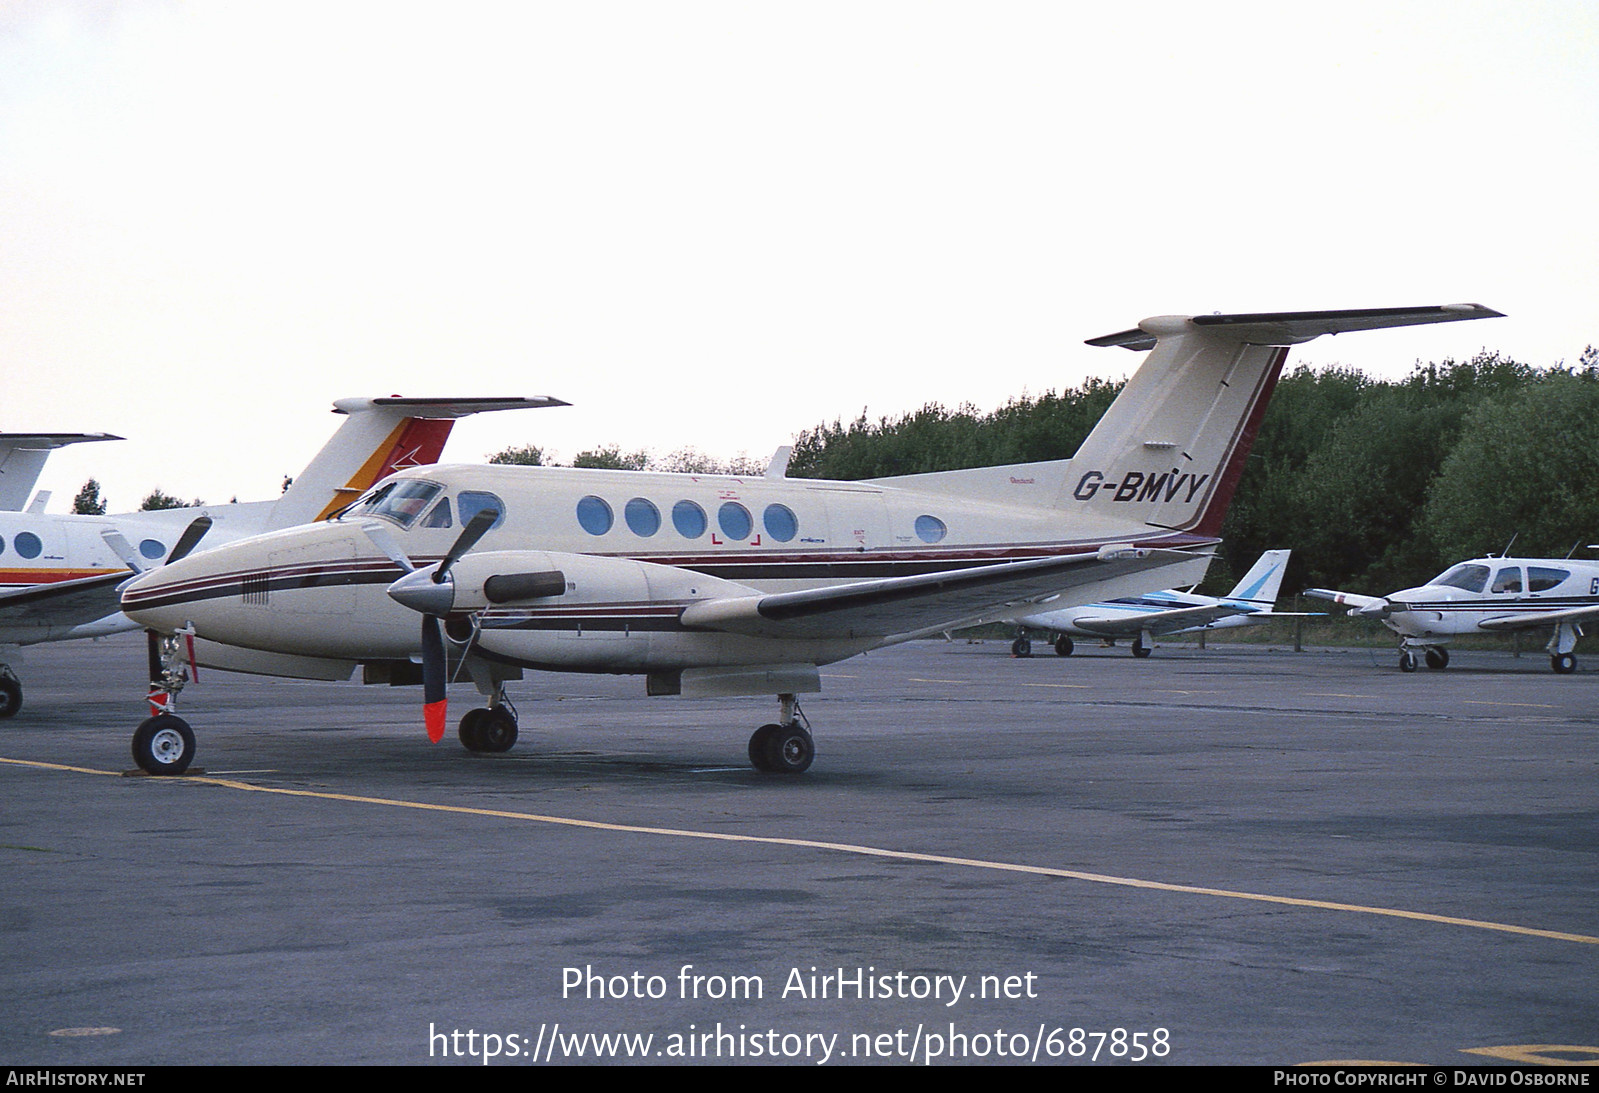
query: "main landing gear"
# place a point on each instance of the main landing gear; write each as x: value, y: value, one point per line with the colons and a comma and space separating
x: 1561, y: 644
x: 1021, y: 647
x: 491, y: 729
x: 1063, y: 646
x: 785, y: 747
x: 163, y: 743
x: 1140, y: 650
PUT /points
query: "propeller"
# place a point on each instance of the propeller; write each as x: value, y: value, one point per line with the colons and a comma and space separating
x: 431, y: 592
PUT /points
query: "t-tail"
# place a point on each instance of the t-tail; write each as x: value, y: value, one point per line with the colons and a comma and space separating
x: 1170, y: 450
x: 382, y: 435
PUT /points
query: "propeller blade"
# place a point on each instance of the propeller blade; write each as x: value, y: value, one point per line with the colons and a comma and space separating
x: 475, y: 529
x: 386, y: 543
x: 434, y: 705
x: 190, y: 538
x: 123, y: 549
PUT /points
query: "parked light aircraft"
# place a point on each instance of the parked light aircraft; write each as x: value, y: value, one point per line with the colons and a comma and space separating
x: 714, y: 585
x: 1156, y: 614
x: 22, y: 457
x: 1491, y: 595
x: 59, y: 572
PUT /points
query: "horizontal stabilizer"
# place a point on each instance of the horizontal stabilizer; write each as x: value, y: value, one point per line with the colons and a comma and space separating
x: 1293, y: 327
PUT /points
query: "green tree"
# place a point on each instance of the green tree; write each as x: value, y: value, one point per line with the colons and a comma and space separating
x: 612, y: 458
x: 89, y: 502
x: 1527, y: 464
x: 528, y: 455
x: 158, y: 500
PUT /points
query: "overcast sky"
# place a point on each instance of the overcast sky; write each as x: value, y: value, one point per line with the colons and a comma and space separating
x: 718, y: 224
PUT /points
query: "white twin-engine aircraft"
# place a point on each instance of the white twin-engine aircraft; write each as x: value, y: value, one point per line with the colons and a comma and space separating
x: 1485, y: 595
x: 60, y: 572
x: 1155, y: 614
x: 710, y: 585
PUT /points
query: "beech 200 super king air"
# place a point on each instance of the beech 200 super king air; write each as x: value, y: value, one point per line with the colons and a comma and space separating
x: 1154, y: 614
x: 1485, y: 595
x: 709, y: 585
x: 59, y: 572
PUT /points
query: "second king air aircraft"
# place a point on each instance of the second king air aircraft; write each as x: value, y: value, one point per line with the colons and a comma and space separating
x: 713, y: 585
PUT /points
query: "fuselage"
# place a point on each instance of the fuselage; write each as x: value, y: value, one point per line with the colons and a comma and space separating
x: 1466, y: 596
x: 636, y: 548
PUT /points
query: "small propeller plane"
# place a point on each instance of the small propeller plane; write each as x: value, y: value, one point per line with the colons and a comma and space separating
x: 1156, y: 614
x: 716, y: 585
x: 1485, y: 595
x: 59, y: 572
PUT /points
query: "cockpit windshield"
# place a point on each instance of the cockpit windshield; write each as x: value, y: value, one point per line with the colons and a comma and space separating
x: 401, y: 501
x: 1466, y: 576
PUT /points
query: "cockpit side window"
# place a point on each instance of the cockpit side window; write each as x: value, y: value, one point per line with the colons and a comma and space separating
x: 402, y: 503
x: 1470, y: 578
x: 1542, y: 578
x: 1508, y: 579
x: 440, y: 516
x: 472, y: 502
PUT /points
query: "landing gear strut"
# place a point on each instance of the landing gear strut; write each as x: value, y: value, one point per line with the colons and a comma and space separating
x: 163, y: 743
x: 785, y: 747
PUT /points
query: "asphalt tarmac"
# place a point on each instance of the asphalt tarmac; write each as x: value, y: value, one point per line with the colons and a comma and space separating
x: 1232, y: 855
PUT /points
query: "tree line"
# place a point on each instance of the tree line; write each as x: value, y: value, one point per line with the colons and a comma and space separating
x: 1375, y: 484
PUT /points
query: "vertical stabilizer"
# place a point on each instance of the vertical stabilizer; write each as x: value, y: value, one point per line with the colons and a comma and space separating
x: 1263, y: 581
x: 22, y: 457
x: 381, y: 436
x: 1169, y: 452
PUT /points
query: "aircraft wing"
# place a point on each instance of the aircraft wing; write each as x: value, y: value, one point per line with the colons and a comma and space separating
x: 1530, y: 619
x: 63, y: 603
x: 1157, y: 622
x: 903, y: 607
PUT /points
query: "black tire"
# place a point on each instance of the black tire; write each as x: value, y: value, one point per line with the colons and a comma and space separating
x: 1063, y: 646
x: 470, y: 730
x: 1437, y: 659
x: 1021, y: 647
x: 497, y: 731
x: 1563, y: 663
x: 163, y: 744
x: 1407, y: 661
x: 760, y: 746
x: 1140, y: 650
x: 789, y: 750
x: 10, y: 696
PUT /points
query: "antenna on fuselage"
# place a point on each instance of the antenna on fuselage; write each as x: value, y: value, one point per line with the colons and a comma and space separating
x: 1505, y: 553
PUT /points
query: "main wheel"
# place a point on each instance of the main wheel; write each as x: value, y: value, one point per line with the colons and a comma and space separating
x: 163, y: 744
x: 789, y: 750
x: 1021, y: 647
x: 497, y: 731
x: 1564, y: 663
x: 1140, y: 650
x: 1063, y: 646
x: 760, y: 746
x: 1437, y: 658
x: 10, y: 695
x: 1407, y: 661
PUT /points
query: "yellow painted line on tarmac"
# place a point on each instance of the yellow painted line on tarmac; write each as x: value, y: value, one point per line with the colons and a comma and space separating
x: 853, y: 848
x: 915, y: 679
x: 1333, y: 694
x: 1064, y: 686
x: 1529, y: 705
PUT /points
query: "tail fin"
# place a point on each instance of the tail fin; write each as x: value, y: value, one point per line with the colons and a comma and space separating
x: 1261, y: 584
x: 1170, y: 450
x: 22, y: 457
x: 381, y: 436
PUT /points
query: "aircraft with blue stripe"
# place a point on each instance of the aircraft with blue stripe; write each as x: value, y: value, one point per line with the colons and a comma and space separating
x: 1156, y: 614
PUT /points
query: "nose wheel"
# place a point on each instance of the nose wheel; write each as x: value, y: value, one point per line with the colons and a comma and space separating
x: 163, y: 744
